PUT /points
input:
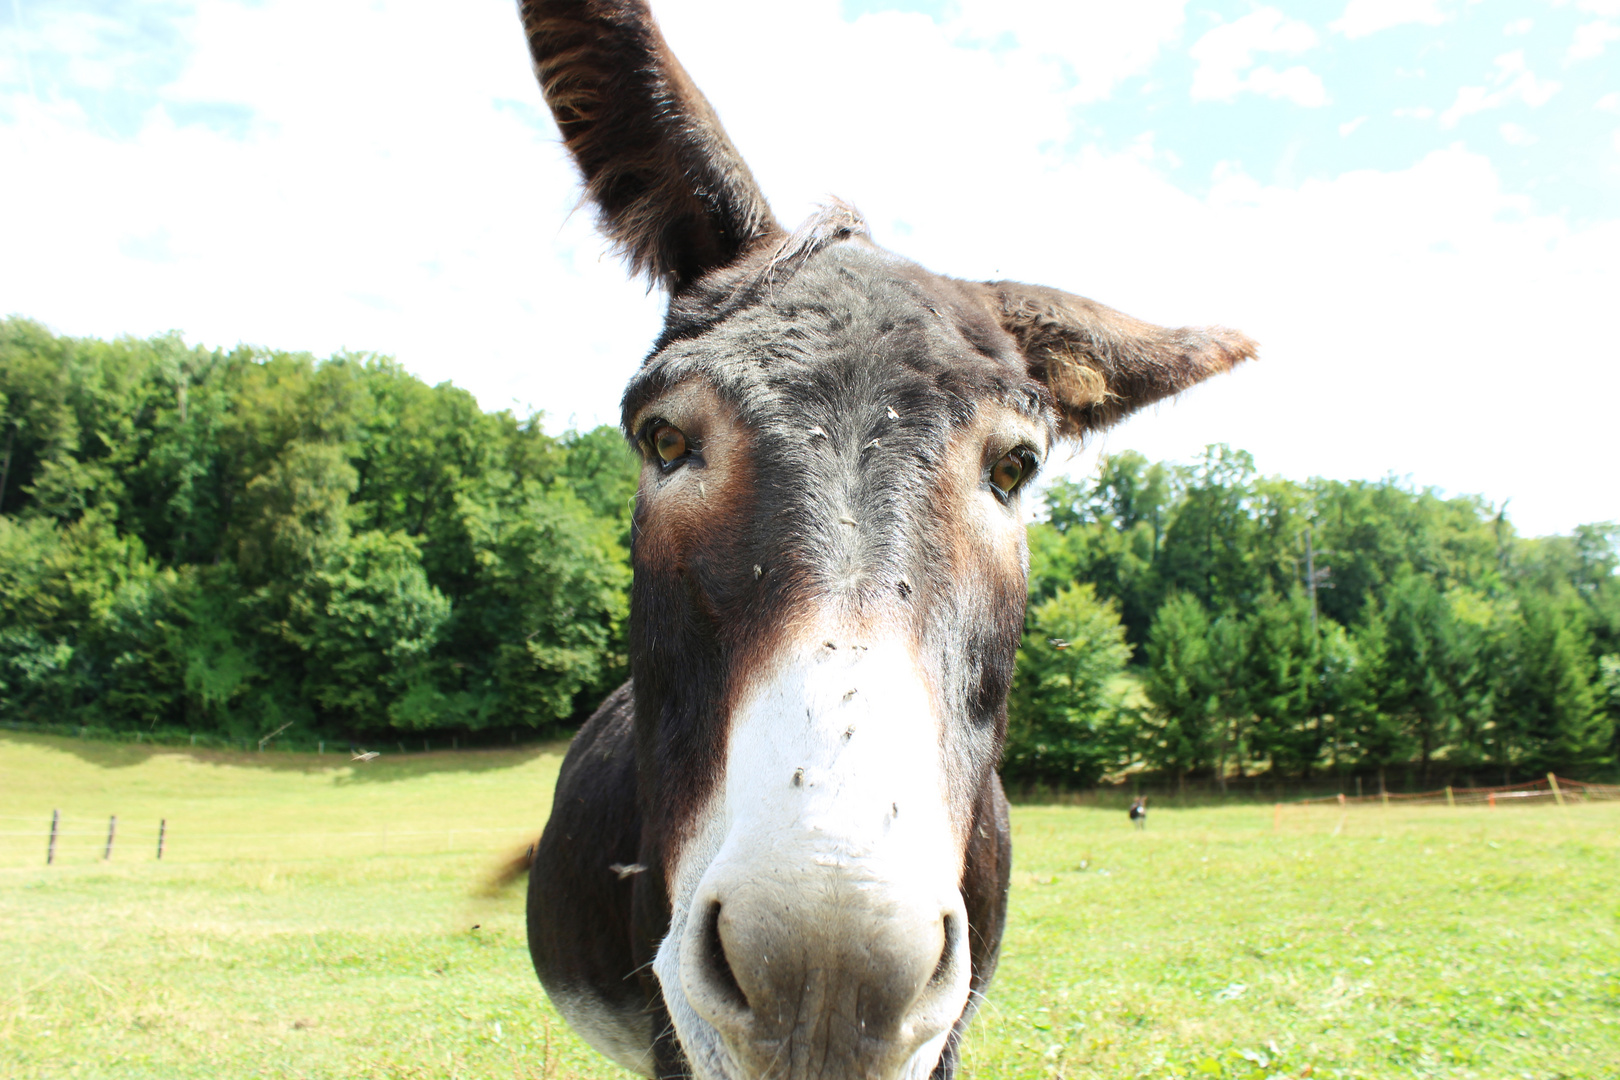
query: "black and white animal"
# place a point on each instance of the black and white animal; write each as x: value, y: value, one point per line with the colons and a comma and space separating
x: 1139, y: 812
x: 781, y: 850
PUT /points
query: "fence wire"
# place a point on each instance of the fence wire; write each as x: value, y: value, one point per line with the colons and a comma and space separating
x: 1555, y: 789
x: 80, y: 841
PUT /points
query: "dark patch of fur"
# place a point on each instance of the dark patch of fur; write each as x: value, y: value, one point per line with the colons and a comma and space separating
x: 579, y: 935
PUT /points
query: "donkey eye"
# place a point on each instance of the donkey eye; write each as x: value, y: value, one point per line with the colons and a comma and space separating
x: 1007, y: 473
x: 669, y: 443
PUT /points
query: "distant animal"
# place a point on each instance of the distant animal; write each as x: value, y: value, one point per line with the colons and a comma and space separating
x: 781, y: 849
x: 1139, y: 813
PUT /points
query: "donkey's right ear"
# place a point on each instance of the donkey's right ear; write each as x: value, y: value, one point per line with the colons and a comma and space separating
x: 671, y: 191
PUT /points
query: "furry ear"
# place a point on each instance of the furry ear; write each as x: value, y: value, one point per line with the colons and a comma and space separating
x: 1101, y: 365
x: 671, y: 191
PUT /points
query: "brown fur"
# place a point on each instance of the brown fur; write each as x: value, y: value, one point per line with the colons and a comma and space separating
x: 508, y: 871
x: 672, y: 192
x: 1101, y: 365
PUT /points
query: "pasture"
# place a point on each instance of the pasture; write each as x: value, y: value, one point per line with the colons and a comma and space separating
x: 316, y: 918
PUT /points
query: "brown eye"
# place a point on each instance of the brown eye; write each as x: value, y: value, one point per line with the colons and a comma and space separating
x: 669, y: 443
x: 1010, y: 471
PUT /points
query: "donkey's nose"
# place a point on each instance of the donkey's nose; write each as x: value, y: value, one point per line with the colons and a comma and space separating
x: 811, y: 975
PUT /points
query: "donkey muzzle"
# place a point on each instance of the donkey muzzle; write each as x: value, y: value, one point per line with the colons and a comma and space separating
x: 819, y: 971
x: 826, y: 935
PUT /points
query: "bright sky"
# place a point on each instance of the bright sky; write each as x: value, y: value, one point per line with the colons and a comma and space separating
x: 1414, y: 205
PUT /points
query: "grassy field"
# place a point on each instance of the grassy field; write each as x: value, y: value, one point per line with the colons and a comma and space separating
x: 313, y: 918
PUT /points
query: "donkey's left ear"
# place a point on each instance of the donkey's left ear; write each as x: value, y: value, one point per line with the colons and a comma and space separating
x: 1101, y: 365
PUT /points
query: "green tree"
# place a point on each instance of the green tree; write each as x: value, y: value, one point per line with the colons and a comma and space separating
x: 599, y: 467
x: 1210, y: 548
x: 1372, y: 734
x: 1340, y: 685
x: 1609, y: 695
x: 1067, y: 720
x: 1232, y: 714
x: 1419, y: 690
x: 1552, y: 715
x: 1284, y: 679
x: 1181, y: 732
x: 365, y: 620
x: 543, y: 627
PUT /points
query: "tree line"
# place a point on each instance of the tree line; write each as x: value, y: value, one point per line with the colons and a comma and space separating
x: 239, y: 541
x: 236, y: 541
x: 1210, y: 622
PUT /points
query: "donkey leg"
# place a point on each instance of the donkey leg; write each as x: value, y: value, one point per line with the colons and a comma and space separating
x: 580, y: 890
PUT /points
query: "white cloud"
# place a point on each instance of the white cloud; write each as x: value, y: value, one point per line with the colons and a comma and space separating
x: 1515, y: 135
x: 1513, y: 82
x: 1518, y: 27
x: 1101, y: 44
x: 1349, y: 126
x: 1226, y: 55
x: 1609, y: 102
x: 400, y: 191
x: 1298, y: 84
x: 1591, y: 39
x: 1363, y: 17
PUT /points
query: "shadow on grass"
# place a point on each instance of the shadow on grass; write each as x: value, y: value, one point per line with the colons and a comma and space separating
x: 387, y: 767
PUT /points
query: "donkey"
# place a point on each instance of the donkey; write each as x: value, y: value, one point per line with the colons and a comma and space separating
x: 781, y: 849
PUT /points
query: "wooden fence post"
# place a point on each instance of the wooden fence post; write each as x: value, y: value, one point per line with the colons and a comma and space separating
x: 1493, y: 800
x: 163, y: 828
x: 1449, y: 800
x: 112, y: 829
x: 1557, y: 794
x: 50, y: 850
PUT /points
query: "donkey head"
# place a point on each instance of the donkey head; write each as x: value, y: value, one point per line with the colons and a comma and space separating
x: 829, y: 576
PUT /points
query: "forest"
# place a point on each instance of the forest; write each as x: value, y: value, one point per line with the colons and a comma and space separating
x: 234, y: 544
x: 1308, y: 629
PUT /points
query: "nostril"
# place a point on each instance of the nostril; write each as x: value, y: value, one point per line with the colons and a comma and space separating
x: 722, y: 981
x: 944, y: 971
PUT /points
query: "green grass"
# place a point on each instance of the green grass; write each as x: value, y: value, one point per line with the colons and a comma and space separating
x: 313, y: 918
